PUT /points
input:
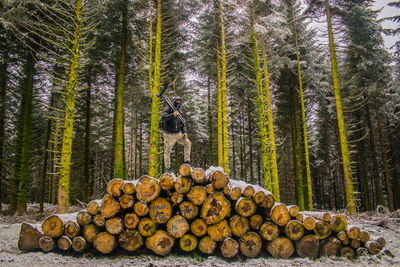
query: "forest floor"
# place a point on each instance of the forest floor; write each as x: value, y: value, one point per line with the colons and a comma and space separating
x: 382, y: 224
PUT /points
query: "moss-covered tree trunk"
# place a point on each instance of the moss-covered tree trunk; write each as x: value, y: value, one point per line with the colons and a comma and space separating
x: 271, y: 134
x: 382, y: 144
x: 298, y: 174
x: 308, y: 200
x: 266, y: 169
x: 348, y: 177
x: 3, y: 84
x: 155, y: 102
x: 24, y: 154
x: 70, y: 94
x: 223, y: 90
x: 219, y: 119
x: 119, y: 141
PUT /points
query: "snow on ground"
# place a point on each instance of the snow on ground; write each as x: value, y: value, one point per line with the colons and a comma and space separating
x: 386, y: 225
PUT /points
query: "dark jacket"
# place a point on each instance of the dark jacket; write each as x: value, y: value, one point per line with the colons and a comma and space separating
x: 171, y: 124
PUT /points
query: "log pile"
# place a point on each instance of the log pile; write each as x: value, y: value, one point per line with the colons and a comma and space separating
x: 199, y: 210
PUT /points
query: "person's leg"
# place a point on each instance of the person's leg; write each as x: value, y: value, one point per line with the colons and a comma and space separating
x: 187, y: 145
x: 169, y: 142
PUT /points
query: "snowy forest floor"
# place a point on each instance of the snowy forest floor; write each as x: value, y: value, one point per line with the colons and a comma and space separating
x: 386, y: 225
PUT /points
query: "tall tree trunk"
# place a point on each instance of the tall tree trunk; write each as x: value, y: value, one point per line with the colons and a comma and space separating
x: 219, y: 120
x: 242, y: 150
x: 45, y: 157
x: 119, y: 142
x: 136, y: 165
x: 271, y: 135
x: 250, y: 136
x: 308, y: 199
x: 261, y: 108
x: 63, y: 187
x: 141, y: 145
x: 210, y: 125
x: 155, y: 102
x: 223, y: 90
x: 233, y: 153
x: 86, y: 165
x: 396, y: 180
x: 382, y: 142
x: 365, y: 189
x: 3, y: 84
x: 298, y: 180
x: 22, y: 177
x: 351, y: 205
x: 151, y: 45
x: 377, y: 176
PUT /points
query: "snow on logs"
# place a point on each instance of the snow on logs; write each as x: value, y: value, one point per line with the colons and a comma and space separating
x: 202, y: 210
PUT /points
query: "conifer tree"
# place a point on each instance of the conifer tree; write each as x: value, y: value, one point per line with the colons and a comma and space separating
x: 155, y: 103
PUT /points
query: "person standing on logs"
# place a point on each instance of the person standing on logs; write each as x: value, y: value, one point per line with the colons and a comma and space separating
x: 174, y: 131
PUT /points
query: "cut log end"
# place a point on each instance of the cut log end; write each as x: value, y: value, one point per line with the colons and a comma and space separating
x: 198, y: 227
x: 330, y: 247
x: 250, y: 244
x: 84, y: 218
x: 245, y: 207
x: 182, y: 184
x: 114, y: 225
x: 71, y: 229
x: 239, y: 225
x: 79, y: 244
x: 218, y: 179
x: 198, y: 175
x: 109, y: 206
x: 160, y: 243
x: 219, y: 231
x: 147, y: 189
x: 105, y: 242
x: 256, y: 221
x: 188, y: 210
x: 130, y: 240
x: 188, y: 242
x: 114, y: 187
x: 64, y: 243
x: 308, y: 246
x: 128, y: 187
x: 160, y: 210
x: 215, y: 208
x: 280, y: 214
x: 294, y: 230
x: 229, y: 248
x: 207, y: 245
x: 177, y: 226
x: 131, y: 220
x: 47, y: 243
x: 167, y: 181
x: 29, y: 237
x: 197, y: 195
x: 269, y: 231
x: 185, y: 170
x: 147, y: 227
x: 53, y: 226
x: 90, y: 232
x: 281, y: 247
x: 141, y: 208
x: 93, y: 207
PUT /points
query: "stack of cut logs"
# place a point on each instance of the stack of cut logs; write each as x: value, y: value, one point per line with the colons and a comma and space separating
x: 198, y: 210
